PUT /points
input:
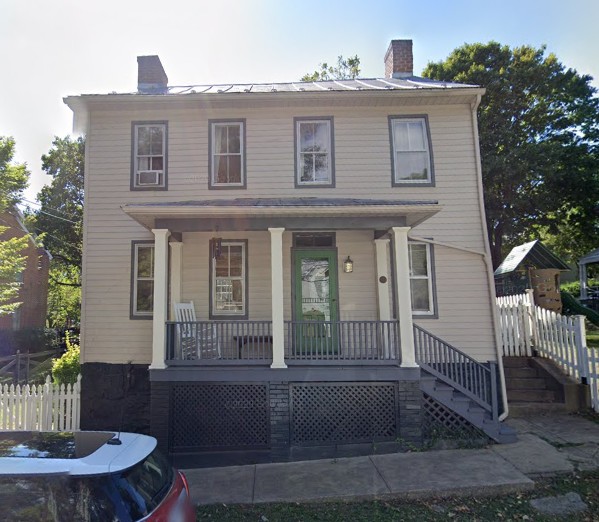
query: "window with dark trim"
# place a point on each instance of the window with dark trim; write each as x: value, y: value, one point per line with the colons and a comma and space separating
x: 313, y: 239
x: 142, y: 280
x: 421, y: 279
x: 229, y: 280
x: 227, y: 154
x: 149, y: 155
x: 411, y: 150
x: 314, y: 152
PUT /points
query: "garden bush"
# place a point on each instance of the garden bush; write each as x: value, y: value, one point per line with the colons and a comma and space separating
x: 66, y: 368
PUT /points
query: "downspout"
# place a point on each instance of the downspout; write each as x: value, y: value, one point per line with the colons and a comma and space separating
x: 488, y: 261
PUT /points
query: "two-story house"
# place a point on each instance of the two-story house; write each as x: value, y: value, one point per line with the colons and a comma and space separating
x: 284, y: 270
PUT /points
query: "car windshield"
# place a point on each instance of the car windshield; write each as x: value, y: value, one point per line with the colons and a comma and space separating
x: 124, y: 496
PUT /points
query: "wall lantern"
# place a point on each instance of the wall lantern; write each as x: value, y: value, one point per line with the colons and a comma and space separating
x: 348, y: 265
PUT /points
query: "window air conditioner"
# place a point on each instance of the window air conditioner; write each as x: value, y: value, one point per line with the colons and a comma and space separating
x: 148, y: 178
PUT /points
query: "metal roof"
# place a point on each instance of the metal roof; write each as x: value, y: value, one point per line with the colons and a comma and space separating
x: 535, y: 254
x: 359, y: 84
x: 591, y: 257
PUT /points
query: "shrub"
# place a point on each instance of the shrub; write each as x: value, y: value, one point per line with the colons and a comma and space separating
x: 574, y: 287
x: 66, y: 368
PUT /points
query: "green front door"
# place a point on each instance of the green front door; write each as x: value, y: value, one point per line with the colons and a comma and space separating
x: 315, y: 306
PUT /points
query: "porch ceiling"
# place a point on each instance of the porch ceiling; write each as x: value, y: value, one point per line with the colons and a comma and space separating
x: 290, y: 213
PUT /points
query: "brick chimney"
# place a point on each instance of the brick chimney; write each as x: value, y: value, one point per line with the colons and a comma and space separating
x: 399, y: 62
x: 151, y: 78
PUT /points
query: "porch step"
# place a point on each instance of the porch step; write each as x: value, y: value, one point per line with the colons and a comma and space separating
x: 459, y: 403
x: 531, y: 395
x: 521, y: 373
x: 526, y: 383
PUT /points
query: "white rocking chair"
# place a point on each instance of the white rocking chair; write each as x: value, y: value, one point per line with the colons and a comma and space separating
x: 197, y: 340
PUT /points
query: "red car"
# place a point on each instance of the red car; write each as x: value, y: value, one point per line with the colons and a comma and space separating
x: 89, y: 476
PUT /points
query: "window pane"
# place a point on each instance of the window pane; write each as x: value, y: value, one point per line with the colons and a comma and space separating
x: 157, y: 163
x: 420, y: 297
x: 145, y: 261
x: 401, y: 136
x: 234, y: 169
x: 416, y: 132
x: 222, y: 263
x: 236, y: 261
x: 220, y: 139
x: 306, y: 137
x: 418, y: 260
x: 145, y: 294
x: 307, y: 167
x: 220, y: 169
x: 143, y: 140
x: 237, y: 298
x: 321, y: 167
x: 234, y: 139
x: 321, y: 137
x: 143, y: 164
x: 412, y: 166
x: 156, y: 145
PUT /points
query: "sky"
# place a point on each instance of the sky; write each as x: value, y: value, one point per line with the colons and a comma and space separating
x: 53, y: 48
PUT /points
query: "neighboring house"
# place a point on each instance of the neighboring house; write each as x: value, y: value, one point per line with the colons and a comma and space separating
x: 331, y: 237
x: 33, y: 292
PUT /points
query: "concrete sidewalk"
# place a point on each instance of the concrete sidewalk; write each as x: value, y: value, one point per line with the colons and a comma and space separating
x: 548, y: 445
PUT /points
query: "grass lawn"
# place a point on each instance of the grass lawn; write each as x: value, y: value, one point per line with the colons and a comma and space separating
x: 510, y: 507
x: 593, y: 338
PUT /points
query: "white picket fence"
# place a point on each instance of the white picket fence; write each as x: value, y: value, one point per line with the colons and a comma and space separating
x: 43, y: 407
x: 526, y: 327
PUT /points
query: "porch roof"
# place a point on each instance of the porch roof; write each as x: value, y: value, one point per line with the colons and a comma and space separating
x: 290, y: 213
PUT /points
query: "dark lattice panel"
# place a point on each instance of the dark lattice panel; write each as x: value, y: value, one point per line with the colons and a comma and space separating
x: 440, y: 421
x: 219, y: 416
x: 343, y: 413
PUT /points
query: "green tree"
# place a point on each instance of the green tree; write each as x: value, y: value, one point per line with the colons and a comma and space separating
x: 539, y: 130
x: 13, y: 181
x: 59, y: 222
x: 346, y: 69
x: 60, y: 217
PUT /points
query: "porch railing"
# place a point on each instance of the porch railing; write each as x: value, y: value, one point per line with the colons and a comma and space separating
x: 342, y: 340
x: 218, y: 341
x: 447, y: 363
x: 214, y: 342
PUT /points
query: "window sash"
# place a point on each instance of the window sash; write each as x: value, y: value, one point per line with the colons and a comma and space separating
x: 226, y: 285
x: 142, y: 281
x: 230, y: 159
x: 416, y: 279
x: 152, y: 160
x: 411, y: 150
x: 313, y: 156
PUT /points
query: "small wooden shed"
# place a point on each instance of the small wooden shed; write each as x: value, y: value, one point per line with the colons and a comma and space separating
x: 531, y: 265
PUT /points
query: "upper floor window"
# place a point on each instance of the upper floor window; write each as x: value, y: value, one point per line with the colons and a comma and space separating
x: 142, y: 280
x: 314, y: 154
x: 421, y: 279
x: 149, y: 151
x: 411, y: 156
x: 227, y: 154
x: 229, y: 280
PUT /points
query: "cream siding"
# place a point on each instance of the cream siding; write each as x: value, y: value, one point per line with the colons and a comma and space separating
x: 362, y: 169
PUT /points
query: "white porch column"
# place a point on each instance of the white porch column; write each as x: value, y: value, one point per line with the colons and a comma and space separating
x: 382, y: 286
x: 382, y: 277
x: 160, y: 297
x: 176, y: 269
x: 404, y: 299
x: 278, y: 323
